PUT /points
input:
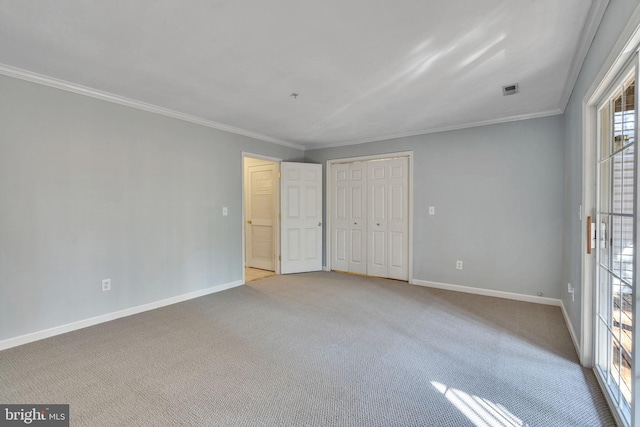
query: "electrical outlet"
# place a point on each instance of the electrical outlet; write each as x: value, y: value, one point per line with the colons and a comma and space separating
x: 106, y: 285
x: 432, y: 210
x: 458, y: 265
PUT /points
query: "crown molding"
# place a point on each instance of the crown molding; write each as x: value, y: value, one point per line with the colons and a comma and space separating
x: 596, y: 13
x: 515, y: 118
x: 32, y: 77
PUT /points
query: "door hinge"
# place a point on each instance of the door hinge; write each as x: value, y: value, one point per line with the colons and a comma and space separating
x: 279, y: 175
x: 279, y: 258
x: 280, y: 216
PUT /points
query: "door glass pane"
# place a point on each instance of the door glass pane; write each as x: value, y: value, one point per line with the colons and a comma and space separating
x: 615, y: 363
x: 616, y: 315
x: 625, y: 377
x: 605, y: 186
x: 604, y: 246
x: 604, y: 301
x: 616, y: 200
x: 626, y: 323
x: 626, y: 256
x: 628, y: 114
x: 628, y: 179
x: 617, y: 123
x: 617, y: 247
x: 605, y: 132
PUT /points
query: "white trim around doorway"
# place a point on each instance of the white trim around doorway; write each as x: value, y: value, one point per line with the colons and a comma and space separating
x: 329, y: 190
x: 277, y: 194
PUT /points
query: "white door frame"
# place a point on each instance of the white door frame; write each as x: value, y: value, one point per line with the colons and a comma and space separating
x: 621, y: 53
x: 329, y: 192
x: 276, y: 228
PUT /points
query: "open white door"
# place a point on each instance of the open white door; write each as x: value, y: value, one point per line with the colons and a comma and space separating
x: 301, y: 209
x: 260, y: 210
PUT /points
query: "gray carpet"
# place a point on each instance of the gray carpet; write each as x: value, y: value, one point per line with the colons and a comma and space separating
x: 316, y: 349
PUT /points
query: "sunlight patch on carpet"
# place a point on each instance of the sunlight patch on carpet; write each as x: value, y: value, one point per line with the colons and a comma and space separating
x: 481, y: 412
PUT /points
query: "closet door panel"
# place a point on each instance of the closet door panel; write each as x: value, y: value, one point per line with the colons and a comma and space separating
x: 377, y: 256
x: 357, y: 217
x: 340, y: 238
x: 398, y: 224
x: 358, y: 257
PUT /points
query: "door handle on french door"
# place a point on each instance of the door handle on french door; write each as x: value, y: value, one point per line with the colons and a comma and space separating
x: 588, y: 235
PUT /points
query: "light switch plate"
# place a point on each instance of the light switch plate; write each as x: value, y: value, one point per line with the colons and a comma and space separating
x: 225, y: 211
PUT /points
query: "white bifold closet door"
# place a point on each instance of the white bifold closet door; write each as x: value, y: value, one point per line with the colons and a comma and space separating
x: 349, y: 238
x: 388, y: 223
x: 370, y: 222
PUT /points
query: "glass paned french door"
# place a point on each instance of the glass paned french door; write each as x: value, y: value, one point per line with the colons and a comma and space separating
x: 615, y: 230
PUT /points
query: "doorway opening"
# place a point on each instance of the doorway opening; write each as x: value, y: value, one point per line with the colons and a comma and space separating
x: 261, y: 228
x: 282, y: 216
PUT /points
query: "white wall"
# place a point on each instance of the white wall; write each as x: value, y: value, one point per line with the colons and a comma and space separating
x: 497, y: 191
x: 92, y: 190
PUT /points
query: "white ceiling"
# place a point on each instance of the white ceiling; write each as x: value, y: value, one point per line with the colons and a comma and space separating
x: 364, y: 69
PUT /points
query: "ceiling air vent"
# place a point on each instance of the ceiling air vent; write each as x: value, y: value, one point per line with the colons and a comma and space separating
x: 510, y: 89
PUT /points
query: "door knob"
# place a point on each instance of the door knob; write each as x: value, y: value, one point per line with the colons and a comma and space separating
x: 378, y: 224
x: 319, y: 224
x: 249, y: 222
x: 355, y: 223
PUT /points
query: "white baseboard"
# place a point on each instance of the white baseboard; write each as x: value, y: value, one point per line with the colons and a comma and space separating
x: 571, y: 331
x: 488, y: 292
x: 62, y: 329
